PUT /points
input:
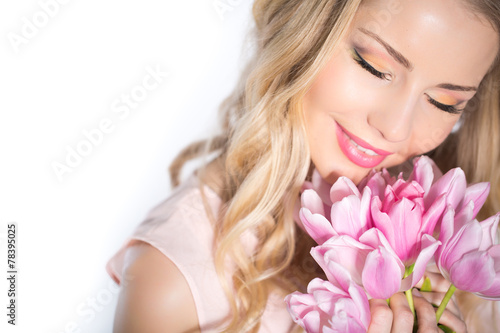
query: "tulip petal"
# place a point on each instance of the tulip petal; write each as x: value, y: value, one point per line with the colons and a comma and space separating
x: 316, y: 225
x: 446, y: 232
x: 406, y: 221
x: 312, y: 321
x: 300, y: 300
x: 410, y: 190
x: 433, y: 214
x: 389, y: 179
x: 374, y: 238
x: 381, y: 274
x: 429, y: 246
x: 327, y: 307
x: 353, y: 306
x: 464, y: 215
x: 311, y: 200
x: 345, y: 217
x: 489, y: 227
x: 453, y: 183
x: 345, y: 318
x: 341, y: 275
x: 473, y: 272
x: 342, y: 250
x: 423, y: 172
x: 299, y: 305
x: 376, y: 183
x: 494, y: 252
x: 478, y: 193
x: 321, y: 187
x: 343, y: 187
x: 364, y: 209
x: 382, y: 221
x: 389, y: 199
x: 493, y: 292
x: 466, y: 240
x: 324, y: 291
x: 360, y: 299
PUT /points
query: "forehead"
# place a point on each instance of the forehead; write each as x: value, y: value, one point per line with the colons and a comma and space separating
x: 443, y: 39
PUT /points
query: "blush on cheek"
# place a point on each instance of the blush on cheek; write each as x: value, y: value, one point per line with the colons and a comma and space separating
x: 436, y: 137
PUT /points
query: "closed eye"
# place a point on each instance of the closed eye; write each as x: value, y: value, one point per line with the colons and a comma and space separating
x: 364, y: 64
x: 447, y: 108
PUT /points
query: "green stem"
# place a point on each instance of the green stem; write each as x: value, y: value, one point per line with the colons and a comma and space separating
x: 444, y: 302
x: 409, y: 295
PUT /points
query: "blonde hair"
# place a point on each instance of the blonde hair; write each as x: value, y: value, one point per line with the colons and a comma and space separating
x: 264, y: 157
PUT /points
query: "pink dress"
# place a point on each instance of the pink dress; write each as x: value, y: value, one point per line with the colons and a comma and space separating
x: 180, y: 229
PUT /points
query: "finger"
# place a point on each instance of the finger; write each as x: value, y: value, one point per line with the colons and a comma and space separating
x: 452, y: 321
x: 426, y: 315
x: 402, y: 316
x: 436, y: 298
x: 381, y: 316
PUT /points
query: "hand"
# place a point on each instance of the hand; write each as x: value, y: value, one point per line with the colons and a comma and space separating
x: 452, y: 317
x: 439, y: 287
x: 398, y: 318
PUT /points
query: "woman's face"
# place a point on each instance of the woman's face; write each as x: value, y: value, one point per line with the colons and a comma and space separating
x: 395, y: 86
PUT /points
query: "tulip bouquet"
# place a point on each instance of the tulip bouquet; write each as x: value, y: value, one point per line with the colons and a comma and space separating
x: 376, y: 239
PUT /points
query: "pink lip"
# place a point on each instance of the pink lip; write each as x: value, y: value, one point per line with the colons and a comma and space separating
x: 354, y: 154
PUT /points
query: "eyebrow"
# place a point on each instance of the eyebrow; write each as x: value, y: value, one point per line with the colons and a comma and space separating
x: 407, y: 63
x: 395, y: 54
x: 450, y: 86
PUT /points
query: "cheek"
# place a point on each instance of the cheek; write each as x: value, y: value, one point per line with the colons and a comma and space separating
x: 433, y: 132
x: 338, y: 89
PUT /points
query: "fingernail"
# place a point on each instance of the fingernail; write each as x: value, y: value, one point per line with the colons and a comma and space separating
x: 416, y: 292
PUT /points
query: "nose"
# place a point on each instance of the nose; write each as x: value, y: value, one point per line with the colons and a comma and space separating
x: 394, y: 119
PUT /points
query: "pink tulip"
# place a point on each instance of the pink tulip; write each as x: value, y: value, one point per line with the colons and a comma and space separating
x: 470, y: 256
x: 377, y: 182
x: 404, y: 214
x: 346, y: 211
x: 338, y: 305
x: 322, y: 189
x: 452, y: 186
x: 391, y: 204
x: 350, y: 211
x: 372, y: 262
x: 400, y: 219
x: 385, y: 225
x: 312, y: 216
x: 425, y: 172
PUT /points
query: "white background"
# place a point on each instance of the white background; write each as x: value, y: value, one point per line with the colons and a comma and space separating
x: 62, y: 80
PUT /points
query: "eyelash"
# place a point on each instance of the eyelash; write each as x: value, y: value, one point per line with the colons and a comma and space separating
x: 447, y: 108
x: 365, y: 65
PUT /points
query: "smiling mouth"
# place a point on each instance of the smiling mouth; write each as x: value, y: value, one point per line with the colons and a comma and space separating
x: 364, y: 150
x: 358, y: 151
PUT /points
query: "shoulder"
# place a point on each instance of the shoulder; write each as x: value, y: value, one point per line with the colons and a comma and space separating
x: 155, y: 296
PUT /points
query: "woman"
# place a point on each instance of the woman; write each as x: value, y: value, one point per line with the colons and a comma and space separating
x: 349, y: 86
